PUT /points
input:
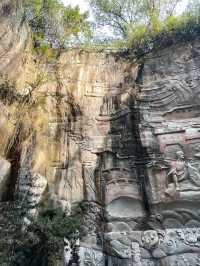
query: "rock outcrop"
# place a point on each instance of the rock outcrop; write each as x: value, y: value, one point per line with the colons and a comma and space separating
x: 119, y: 134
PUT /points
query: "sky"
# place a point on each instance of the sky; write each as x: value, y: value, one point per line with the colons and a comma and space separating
x: 181, y: 6
x: 84, y: 6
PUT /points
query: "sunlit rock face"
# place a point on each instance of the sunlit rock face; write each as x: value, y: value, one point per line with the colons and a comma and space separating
x: 13, y: 35
x: 121, y: 135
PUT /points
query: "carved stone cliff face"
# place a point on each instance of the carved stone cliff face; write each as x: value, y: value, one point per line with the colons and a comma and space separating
x: 122, y: 136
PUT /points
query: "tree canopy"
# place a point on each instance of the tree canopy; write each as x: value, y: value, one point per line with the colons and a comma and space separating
x: 129, y: 23
x: 121, y: 14
x: 55, y: 23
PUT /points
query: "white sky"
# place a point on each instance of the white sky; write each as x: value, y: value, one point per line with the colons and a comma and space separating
x: 181, y: 6
x: 84, y: 6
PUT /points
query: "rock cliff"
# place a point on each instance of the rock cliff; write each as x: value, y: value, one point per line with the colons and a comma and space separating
x: 119, y: 134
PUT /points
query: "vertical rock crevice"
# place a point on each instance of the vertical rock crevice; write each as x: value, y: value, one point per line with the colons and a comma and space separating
x: 13, y: 155
x: 142, y: 155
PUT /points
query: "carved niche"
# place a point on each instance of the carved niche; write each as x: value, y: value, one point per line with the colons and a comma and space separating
x: 122, y: 197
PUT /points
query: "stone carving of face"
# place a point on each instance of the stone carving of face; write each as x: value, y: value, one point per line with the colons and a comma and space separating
x: 191, y: 237
x: 180, y: 155
x: 150, y: 239
x: 180, y: 234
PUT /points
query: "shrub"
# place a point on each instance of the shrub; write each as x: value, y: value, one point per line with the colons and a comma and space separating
x: 42, y: 242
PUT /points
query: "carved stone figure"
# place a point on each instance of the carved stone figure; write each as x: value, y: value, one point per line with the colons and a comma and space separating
x: 178, y: 169
x: 184, y: 175
x: 150, y: 239
x: 191, y: 238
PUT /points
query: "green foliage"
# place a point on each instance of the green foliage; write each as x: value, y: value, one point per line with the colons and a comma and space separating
x: 119, y: 14
x: 143, y: 38
x: 146, y: 25
x: 44, y: 50
x: 42, y: 242
x: 137, y: 35
x: 4, y: 253
x: 74, y: 21
x: 156, y: 23
x: 116, y: 14
x: 55, y: 24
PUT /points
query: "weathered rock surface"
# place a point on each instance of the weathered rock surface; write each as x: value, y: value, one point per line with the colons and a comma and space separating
x: 122, y: 136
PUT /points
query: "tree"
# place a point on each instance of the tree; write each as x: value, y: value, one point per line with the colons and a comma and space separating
x: 117, y: 13
x: 55, y: 23
x: 121, y: 14
x: 193, y: 7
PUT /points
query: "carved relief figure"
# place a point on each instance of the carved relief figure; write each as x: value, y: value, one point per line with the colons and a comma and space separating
x: 178, y: 170
x: 184, y: 175
x: 191, y: 238
x: 150, y: 239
